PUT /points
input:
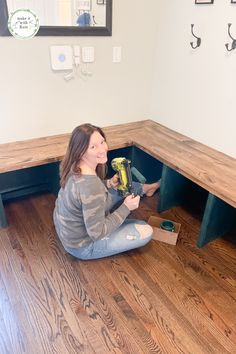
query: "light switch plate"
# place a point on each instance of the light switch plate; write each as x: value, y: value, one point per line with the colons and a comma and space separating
x: 117, y: 52
x: 76, y: 49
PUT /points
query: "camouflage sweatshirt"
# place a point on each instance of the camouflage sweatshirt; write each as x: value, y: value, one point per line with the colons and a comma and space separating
x: 82, y: 212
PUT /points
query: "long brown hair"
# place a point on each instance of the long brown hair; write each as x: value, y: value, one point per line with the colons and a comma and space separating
x: 78, y: 145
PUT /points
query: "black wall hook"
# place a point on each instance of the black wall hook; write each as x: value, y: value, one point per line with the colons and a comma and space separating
x: 233, y: 44
x: 198, y: 39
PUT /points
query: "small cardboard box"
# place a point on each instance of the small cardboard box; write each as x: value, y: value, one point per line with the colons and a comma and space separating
x: 163, y: 235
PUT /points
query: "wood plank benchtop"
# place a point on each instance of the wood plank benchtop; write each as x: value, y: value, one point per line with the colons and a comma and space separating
x: 210, y: 169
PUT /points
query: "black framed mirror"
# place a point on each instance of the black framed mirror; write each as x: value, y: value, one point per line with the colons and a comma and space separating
x: 74, y: 18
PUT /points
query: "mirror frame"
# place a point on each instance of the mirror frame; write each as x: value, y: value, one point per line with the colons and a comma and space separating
x: 61, y: 30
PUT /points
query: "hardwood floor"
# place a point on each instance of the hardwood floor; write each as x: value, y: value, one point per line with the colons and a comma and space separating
x: 158, y: 299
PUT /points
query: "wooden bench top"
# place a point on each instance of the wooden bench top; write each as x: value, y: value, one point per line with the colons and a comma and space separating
x: 211, y: 169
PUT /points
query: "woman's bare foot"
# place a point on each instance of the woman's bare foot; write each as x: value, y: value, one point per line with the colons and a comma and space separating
x: 150, y: 189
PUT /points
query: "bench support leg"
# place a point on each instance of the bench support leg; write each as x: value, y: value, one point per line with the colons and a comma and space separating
x: 54, y: 178
x: 173, y: 188
x: 218, y: 216
x: 217, y: 220
x: 3, y: 220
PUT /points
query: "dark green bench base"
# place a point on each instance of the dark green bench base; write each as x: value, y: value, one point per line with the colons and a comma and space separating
x: 3, y: 220
x: 217, y: 216
x: 27, y: 181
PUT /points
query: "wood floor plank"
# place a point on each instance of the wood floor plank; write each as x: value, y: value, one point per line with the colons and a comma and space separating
x: 178, y: 332
x: 5, y: 310
x: 12, y: 304
x: 193, y: 303
x: 47, y: 296
x: 121, y: 315
x: 158, y: 299
x: 39, y: 287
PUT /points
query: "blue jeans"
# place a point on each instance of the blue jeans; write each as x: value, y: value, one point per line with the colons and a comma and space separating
x: 125, y: 238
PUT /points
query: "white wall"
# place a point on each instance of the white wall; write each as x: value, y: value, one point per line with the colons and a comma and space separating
x: 35, y: 102
x: 189, y: 91
x: 193, y: 91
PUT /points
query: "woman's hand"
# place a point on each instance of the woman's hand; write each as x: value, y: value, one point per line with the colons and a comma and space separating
x: 132, y: 202
x: 113, y: 182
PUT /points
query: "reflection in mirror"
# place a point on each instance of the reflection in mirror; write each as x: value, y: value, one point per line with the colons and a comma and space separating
x: 64, y: 12
x: 63, y: 17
